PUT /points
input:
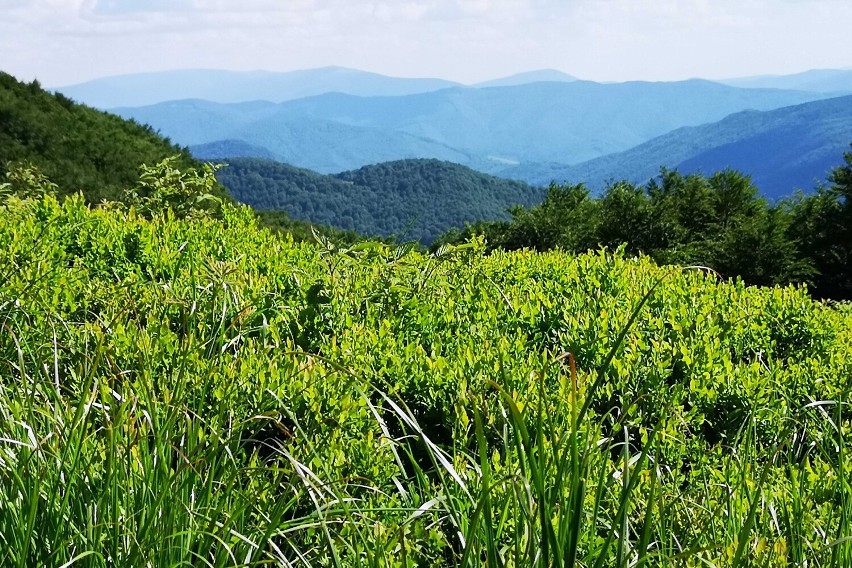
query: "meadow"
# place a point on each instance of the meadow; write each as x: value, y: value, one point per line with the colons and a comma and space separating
x: 196, y: 391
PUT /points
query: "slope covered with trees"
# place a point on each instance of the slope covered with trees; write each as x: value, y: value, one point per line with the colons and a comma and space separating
x: 409, y: 199
x: 79, y: 148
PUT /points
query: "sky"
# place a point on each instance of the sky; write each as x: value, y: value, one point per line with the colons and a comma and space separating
x: 62, y: 42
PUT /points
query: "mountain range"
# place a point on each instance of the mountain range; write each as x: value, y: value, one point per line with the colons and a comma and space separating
x: 223, y: 86
x: 488, y: 129
x: 537, y: 127
x: 140, y: 89
x: 784, y: 149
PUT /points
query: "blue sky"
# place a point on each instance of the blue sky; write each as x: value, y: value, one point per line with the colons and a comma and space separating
x: 67, y: 41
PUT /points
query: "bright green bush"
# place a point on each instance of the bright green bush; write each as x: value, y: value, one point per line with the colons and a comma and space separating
x: 200, y: 391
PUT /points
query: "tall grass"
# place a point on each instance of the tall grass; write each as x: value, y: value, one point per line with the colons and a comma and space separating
x: 549, y: 493
x: 111, y: 472
x: 120, y: 445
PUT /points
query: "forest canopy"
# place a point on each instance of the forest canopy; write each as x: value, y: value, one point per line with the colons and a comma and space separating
x: 77, y: 147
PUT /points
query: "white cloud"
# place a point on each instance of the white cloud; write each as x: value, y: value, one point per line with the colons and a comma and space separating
x: 136, y: 6
x: 65, y: 41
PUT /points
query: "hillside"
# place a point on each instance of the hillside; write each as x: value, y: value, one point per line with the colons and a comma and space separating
x: 239, y: 86
x: 409, y: 199
x: 77, y: 147
x: 783, y: 149
x: 485, y: 128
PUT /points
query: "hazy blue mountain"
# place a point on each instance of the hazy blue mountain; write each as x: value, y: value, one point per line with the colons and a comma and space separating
x: 817, y: 80
x: 229, y: 149
x: 782, y: 149
x: 193, y: 121
x: 540, y: 76
x: 409, y: 199
x: 488, y: 129
x: 142, y: 89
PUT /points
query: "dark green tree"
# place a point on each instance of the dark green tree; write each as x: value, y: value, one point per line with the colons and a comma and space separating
x: 822, y: 223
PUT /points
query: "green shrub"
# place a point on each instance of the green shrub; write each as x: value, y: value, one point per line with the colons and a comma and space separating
x: 190, y: 390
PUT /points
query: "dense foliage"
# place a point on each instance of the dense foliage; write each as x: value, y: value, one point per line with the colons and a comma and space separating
x: 408, y: 199
x: 193, y: 391
x: 79, y: 148
x: 46, y: 138
x: 720, y: 221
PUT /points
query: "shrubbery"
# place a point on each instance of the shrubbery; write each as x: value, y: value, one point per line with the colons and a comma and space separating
x: 191, y: 389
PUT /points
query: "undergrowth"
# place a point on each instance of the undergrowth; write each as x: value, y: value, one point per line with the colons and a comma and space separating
x: 200, y: 392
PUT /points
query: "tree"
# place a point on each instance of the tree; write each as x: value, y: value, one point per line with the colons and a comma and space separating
x: 823, y: 225
x: 625, y: 218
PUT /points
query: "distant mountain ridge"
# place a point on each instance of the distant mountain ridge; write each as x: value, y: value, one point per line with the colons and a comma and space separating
x: 837, y: 81
x: 561, y: 122
x: 222, y: 86
x: 540, y: 76
x: 782, y: 149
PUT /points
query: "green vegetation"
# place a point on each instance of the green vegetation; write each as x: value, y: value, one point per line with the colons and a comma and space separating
x: 185, y: 390
x: 409, y: 199
x: 181, y: 385
x: 77, y: 147
x: 719, y: 221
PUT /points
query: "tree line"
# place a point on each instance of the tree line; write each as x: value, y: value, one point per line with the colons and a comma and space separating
x: 718, y: 221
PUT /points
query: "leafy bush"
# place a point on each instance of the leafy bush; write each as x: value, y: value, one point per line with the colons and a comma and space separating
x: 200, y: 391
x: 163, y: 187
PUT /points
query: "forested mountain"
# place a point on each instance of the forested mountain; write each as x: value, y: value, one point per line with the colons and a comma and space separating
x: 782, y: 149
x: 409, y: 199
x: 488, y: 128
x: 239, y: 86
x: 77, y: 147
